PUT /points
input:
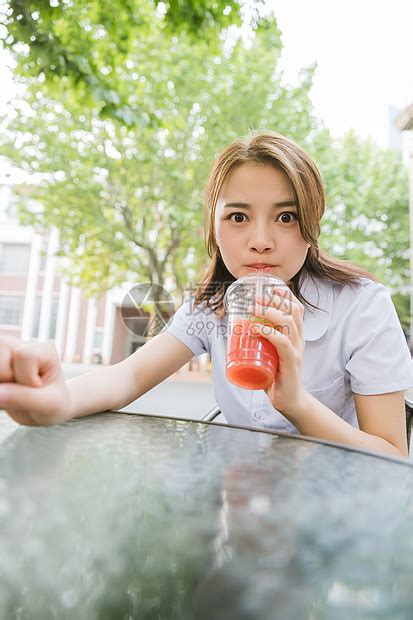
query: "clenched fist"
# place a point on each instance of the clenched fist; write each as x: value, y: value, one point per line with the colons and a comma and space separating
x: 32, y: 389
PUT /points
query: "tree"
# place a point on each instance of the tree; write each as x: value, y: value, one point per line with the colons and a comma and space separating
x: 367, y: 214
x: 129, y: 201
x: 123, y: 130
x: 86, y: 46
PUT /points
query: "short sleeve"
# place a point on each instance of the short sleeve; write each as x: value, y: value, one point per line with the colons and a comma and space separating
x: 188, y: 325
x: 377, y: 357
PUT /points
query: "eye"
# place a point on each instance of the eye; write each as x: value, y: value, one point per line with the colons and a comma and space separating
x: 238, y: 215
x: 289, y: 214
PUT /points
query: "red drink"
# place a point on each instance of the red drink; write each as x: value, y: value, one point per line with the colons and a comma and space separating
x: 252, y: 361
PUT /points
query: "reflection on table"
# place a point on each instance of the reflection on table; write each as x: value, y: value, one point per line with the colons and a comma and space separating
x: 128, y: 516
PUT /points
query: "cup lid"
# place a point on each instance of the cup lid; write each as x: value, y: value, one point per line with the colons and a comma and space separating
x: 243, y: 291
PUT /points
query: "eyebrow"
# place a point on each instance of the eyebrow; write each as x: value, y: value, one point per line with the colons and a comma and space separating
x: 245, y: 205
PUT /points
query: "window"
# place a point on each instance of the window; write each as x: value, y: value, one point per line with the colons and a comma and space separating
x: 98, y: 341
x: 53, y: 317
x: 14, y: 257
x: 43, y: 260
x: 36, y: 316
x: 11, y: 309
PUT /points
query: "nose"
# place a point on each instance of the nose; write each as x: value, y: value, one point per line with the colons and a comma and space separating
x: 261, y: 239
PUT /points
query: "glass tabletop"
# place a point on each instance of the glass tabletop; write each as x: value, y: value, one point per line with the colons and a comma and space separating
x: 129, y: 516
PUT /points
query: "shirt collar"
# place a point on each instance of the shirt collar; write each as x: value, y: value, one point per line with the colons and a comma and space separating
x: 318, y: 292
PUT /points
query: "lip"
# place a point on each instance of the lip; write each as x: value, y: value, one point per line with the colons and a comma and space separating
x: 261, y: 267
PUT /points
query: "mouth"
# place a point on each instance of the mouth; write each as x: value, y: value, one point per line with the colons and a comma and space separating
x: 261, y: 267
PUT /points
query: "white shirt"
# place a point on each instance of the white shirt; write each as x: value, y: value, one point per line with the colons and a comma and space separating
x: 354, y: 343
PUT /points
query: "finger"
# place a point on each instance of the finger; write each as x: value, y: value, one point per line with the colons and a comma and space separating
x: 275, y: 320
x: 280, y: 341
x: 282, y: 322
x: 32, y: 363
x: 288, y: 295
x: 21, y: 400
x: 26, y: 366
x: 21, y: 417
x: 287, y: 306
x: 8, y: 344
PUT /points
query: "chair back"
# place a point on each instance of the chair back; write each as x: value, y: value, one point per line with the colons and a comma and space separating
x: 212, y: 414
x: 408, y: 403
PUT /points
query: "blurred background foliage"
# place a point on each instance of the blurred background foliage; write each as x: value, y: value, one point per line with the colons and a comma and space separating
x: 123, y: 107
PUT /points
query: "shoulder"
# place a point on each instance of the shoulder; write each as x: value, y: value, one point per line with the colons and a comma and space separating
x: 189, y: 312
x: 192, y: 325
x: 363, y: 293
x: 363, y: 289
x: 334, y: 305
x: 364, y: 309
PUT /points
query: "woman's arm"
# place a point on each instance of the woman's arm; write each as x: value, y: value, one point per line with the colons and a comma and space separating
x: 116, y: 386
x: 33, y: 391
x: 381, y: 419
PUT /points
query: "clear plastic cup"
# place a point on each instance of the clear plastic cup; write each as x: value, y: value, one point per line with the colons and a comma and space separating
x: 252, y: 361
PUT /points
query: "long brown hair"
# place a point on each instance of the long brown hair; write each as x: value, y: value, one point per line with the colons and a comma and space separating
x: 274, y: 149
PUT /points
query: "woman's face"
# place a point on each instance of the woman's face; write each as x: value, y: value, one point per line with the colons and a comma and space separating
x: 256, y: 222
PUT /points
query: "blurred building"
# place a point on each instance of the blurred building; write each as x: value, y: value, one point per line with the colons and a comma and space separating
x: 404, y: 122
x: 36, y: 303
x: 395, y: 136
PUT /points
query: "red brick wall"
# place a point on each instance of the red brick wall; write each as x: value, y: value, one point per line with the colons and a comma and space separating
x: 13, y: 283
x: 11, y: 332
x: 120, y: 339
x: 81, y: 329
x: 100, y: 316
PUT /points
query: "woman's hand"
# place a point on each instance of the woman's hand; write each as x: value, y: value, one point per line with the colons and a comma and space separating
x: 287, y: 393
x: 32, y: 388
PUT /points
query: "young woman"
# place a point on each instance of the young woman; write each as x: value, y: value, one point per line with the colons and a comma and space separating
x: 344, y: 361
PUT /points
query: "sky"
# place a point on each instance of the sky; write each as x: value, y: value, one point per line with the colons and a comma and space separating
x: 364, y: 51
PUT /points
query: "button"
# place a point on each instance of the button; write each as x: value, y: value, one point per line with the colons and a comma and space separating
x: 257, y: 415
